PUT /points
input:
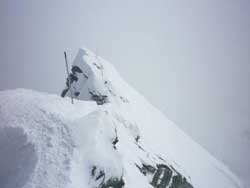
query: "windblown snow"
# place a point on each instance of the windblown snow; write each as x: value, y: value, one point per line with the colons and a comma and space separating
x: 110, y: 137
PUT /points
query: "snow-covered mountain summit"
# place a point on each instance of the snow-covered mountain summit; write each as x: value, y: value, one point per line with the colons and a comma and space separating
x: 93, y: 78
x: 110, y: 137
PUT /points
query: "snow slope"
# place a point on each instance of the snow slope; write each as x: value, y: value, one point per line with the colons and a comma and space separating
x: 110, y: 137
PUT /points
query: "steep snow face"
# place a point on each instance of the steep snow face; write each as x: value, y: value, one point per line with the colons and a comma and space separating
x: 157, y: 139
x: 110, y: 137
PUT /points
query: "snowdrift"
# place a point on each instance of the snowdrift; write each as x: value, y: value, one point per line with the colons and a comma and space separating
x: 110, y: 137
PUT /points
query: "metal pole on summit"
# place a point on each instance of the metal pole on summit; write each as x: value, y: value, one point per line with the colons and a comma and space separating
x: 68, y: 79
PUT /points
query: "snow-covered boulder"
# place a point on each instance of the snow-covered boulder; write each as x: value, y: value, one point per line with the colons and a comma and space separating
x: 110, y: 137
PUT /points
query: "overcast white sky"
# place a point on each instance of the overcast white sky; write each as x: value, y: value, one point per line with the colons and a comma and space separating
x: 189, y: 58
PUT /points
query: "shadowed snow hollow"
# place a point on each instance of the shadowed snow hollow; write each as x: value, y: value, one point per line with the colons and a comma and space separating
x: 110, y: 137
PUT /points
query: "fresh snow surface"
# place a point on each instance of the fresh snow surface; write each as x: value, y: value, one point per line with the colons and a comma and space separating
x: 46, y: 142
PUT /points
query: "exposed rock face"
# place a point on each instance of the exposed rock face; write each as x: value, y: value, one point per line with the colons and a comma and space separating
x: 99, y: 98
x: 179, y: 181
x: 112, y: 182
x: 163, y: 176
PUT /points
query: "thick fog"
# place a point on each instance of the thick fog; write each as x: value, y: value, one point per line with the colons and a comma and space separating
x: 191, y: 59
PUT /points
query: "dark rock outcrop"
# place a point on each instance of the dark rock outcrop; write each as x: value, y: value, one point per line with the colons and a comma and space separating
x: 164, y: 176
x: 180, y: 182
x: 100, y: 99
x: 76, y: 69
x: 113, y: 182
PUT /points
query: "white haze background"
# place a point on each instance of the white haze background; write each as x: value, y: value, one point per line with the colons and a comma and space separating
x: 189, y: 58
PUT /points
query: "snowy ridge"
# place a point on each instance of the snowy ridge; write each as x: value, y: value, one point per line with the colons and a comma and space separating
x: 110, y: 137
